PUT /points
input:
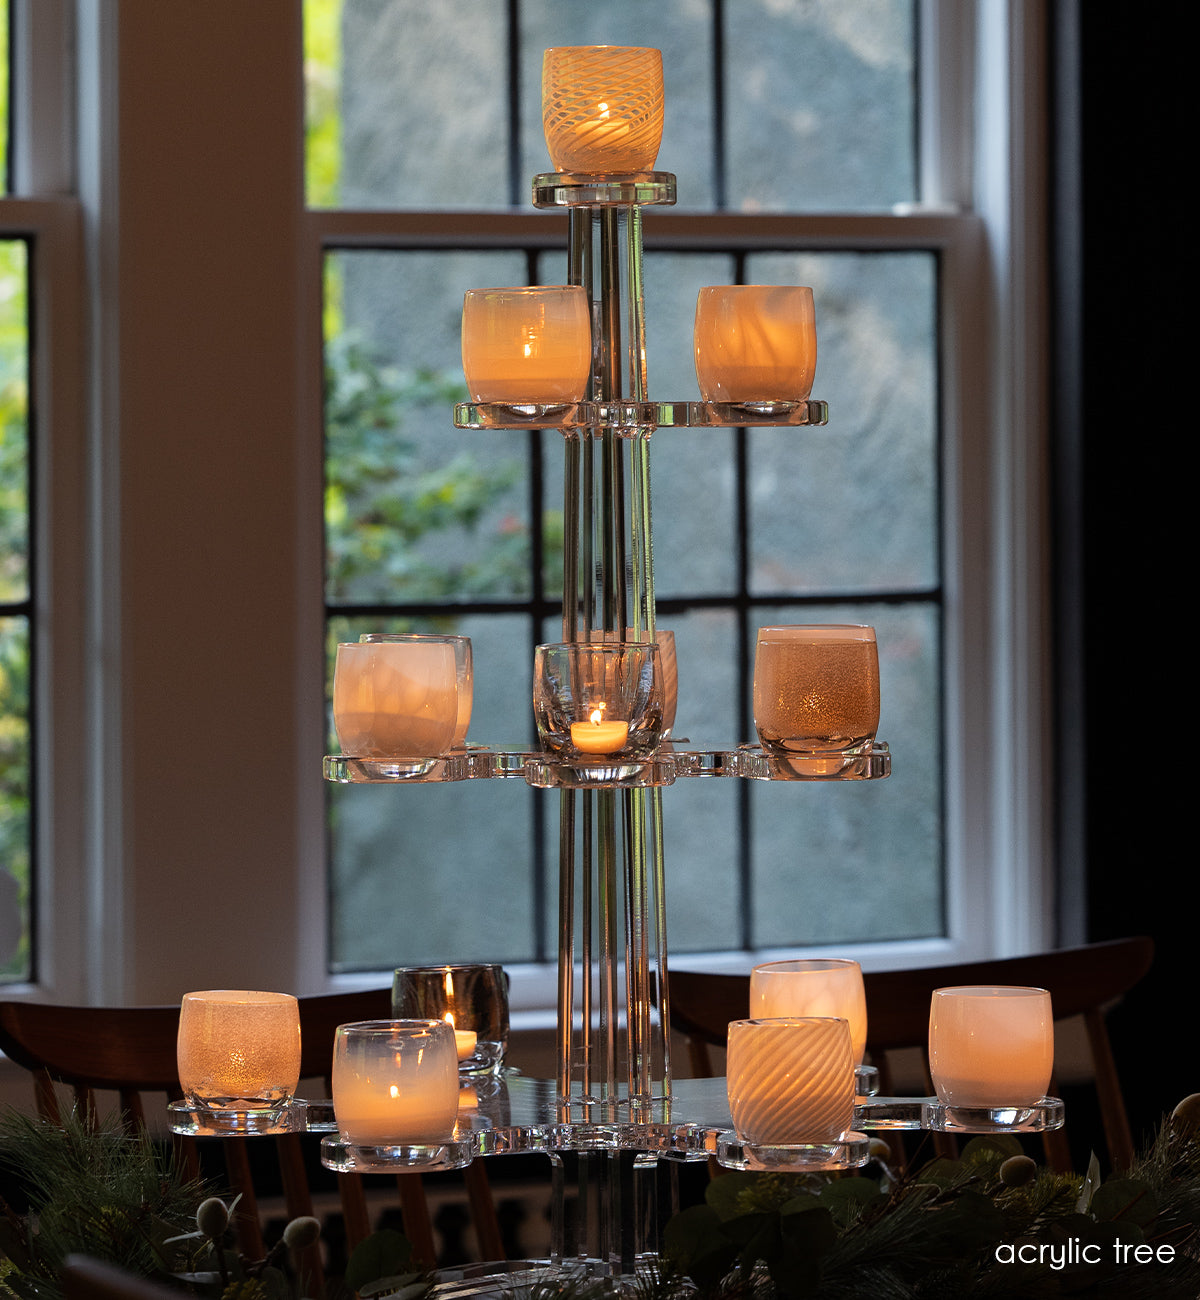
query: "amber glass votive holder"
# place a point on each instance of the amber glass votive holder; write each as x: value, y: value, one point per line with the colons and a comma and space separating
x: 755, y: 344
x: 602, y: 107
x: 527, y: 346
x: 816, y: 693
x: 594, y: 702
x: 238, y: 1056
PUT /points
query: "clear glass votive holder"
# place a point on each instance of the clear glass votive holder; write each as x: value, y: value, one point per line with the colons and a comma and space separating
x: 525, y: 346
x: 755, y: 344
x: 593, y: 702
x: 396, y: 698
x: 395, y: 1082
x: 238, y: 1056
x: 464, y: 663
x: 790, y: 1080
x: 816, y: 693
x: 602, y: 107
x: 991, y: 1047
x: 471, y: 998
x: 813, y: 986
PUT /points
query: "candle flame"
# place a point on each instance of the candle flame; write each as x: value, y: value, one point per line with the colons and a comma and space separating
x: 394, y: 1091
x: 449, y: 1018
x: 597, y: 714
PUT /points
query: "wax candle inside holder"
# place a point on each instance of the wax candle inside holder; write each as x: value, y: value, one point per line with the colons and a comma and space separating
x: 396, y: 697
x: 602, y: 107
x: 471, y: 998
x: 527, y: 346
x: 755, y: 345
x: 598, y: 701
x: 991, y: 1050
x: 816, y: 694
x: 464, y: 664
x: 238, y: 1056
x: 790, y: 1082
x: 395, y: 1082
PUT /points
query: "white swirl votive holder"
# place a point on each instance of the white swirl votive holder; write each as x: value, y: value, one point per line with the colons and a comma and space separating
x: 471, y: 998
x: 790, y: 1083
x: 238, y: 1057
x: 991, y: 1055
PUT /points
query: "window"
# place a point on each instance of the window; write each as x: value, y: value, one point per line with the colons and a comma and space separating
x: 419, y: 192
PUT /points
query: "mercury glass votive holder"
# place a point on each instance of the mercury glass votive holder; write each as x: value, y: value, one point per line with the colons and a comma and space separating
x: 602, y: 107
x: 813, y: 986
x: 991, y: 1047
x: 755, y: 344
x: 464, y: 664
x: 816, y: 693
x: 596, y: 701
x: 395, y: 1082
x: 790, y: 1080
x: 238, y: 1056
x: 527, y: 346
x: 396, y: 698
x: 471, y: 998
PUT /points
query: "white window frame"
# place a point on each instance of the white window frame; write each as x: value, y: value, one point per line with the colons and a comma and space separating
x: 203, y: 860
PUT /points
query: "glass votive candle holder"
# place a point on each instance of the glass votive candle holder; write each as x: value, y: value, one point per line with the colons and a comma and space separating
x: 396, y: 697
x: 816, y: 693
x: 602, y: 107
x: 790, y: 1080
x: 527, y: 346
x: 395, y: 1082
x: 471, y: 998
x: 593, y: 702
x: 991, y: 1046
x: 464, y: 664
x: 755, y: 344
x: 238, y: 1056
x: 813, y: 986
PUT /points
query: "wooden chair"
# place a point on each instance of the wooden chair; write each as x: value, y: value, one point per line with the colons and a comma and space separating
x: 1083, y: 981
x: 132, y: 1051
x: 84, y: 1278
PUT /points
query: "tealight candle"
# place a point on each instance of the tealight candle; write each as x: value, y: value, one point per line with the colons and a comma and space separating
x: 991, y: 1046
x: 464, y: 1042
x: 527, y: 346
x: 815, y: 986
x: 238, y: 1054
x: 790, y: 1080
x: 595, y: 736
x: 395, y: 1082
x: 755, y: 343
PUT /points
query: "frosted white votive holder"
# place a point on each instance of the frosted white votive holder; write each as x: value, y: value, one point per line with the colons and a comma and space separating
x: 813, y: 986
x: 395, y: 1082
x: 238, y: 1056
x: 396, y: 698
x: 464, y: 664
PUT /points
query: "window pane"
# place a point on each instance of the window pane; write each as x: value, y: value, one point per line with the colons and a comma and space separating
x: 820, y: 99
x: 844, y: 862
x: 5, y: 82
x: 415, y: 509
x: 853, y: 506
x: 14, y: 423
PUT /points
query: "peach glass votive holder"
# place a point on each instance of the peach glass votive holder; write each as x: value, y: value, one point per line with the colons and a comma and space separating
x: 991, y: 1046
x: 755, y: 344
x: 602, y: 107
x: 527, y: 346
x: 816, y: 693
x: 396, y: 698
x: 464, y: 664
x: 238, y: 1056
x: 790, y: 1080
x: 813, y: 986
x: 598, y: 701
x: 395, y: 1082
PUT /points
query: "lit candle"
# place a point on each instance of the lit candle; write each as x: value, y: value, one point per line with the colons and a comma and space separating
x: 597, y: 736
x: 790, y: 1081
x: 991, y: 1046
x: 464, y: 1039
x: 755, y: 343
x: 814, y: 986
x: 395, y: 1082
x: 531, y: 344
